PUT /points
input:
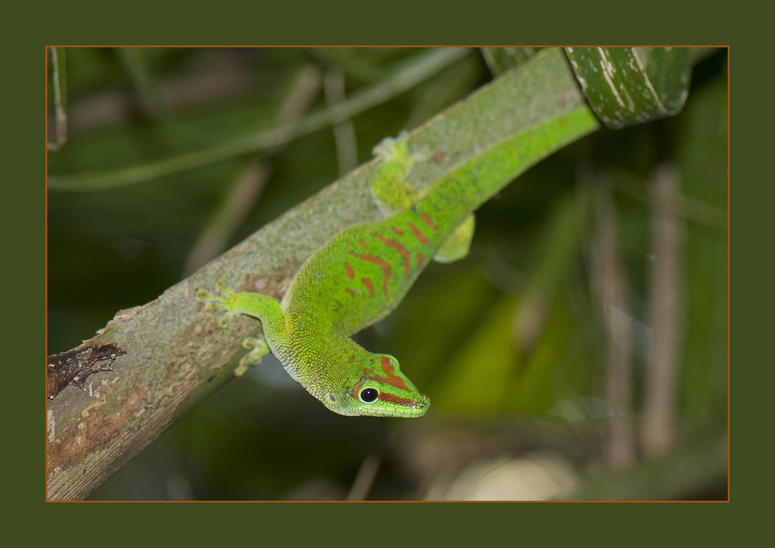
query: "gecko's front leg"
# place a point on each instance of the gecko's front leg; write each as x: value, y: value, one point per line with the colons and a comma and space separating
x: 262, y: 307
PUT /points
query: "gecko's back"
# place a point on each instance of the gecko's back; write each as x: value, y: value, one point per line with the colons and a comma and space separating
x: 363, y: 273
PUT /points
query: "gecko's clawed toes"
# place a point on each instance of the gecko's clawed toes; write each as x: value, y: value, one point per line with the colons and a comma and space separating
x: 203, y: 296
x: 259, y: 349
x: 220, y: 287
x: 390, y: 148
x: 227, y: 318
x: 252, y: 342
x: 215, y: 301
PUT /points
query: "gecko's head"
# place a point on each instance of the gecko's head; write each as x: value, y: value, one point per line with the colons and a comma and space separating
x: 381, y: 390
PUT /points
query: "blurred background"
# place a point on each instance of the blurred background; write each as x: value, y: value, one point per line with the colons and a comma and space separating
x: 579, y: 352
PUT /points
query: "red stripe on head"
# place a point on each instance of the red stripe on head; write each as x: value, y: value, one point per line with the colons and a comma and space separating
x: 349, y: 269
x: 398, y: 247
x: 417, y: 234
x: 383, y: 396
x: 397, y: 231
x: 392, y: 380
x: 363, y: 243
x: 390, y: 398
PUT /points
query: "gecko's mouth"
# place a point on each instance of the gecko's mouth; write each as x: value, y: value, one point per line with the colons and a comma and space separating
x: 407, y: 409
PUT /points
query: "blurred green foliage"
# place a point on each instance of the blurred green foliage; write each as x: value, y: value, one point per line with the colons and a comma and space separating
x: 509, y: 342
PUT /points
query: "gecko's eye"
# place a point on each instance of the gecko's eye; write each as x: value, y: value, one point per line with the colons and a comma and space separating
x: 369, y: 395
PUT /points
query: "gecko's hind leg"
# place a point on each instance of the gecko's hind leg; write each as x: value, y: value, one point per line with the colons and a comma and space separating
x: 458, y: 243
x: 392, y: 193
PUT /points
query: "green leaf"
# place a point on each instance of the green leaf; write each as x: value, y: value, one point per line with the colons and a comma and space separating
x: 626, y: 87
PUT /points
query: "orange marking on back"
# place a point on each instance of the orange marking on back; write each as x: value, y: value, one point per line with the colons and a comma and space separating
x: 417, y: 234
x: 427, y: 220
x: 398, y: 247
x: 350, y: 292
x: 384, y: 265
x: 349, y: 270
x: 419, y: 260
x: 369, y: 285
x: 351, y: 359
x: 363, y: 243
x: 397, y: 230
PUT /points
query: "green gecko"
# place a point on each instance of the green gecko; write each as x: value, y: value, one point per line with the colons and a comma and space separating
x: 361, y: 274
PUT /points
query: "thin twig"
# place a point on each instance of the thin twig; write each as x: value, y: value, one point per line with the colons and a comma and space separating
x: 59, y: 83
x: 659, y: 415
x: 364, y: 479
x: 344, y: 132
x: 612, y: 284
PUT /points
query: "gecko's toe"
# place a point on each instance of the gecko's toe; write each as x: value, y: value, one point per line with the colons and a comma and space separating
x: 220, y: 287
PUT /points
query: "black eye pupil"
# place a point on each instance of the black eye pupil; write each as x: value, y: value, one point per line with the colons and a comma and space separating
x: 369, y: 395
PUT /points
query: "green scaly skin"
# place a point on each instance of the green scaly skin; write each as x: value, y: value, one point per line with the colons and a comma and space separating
x: 363, y: 273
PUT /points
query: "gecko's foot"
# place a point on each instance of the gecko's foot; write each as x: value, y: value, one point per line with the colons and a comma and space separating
x: 219, y: 301
x: 389, y: 149
x: 223, y: 293
x: 258, y: 349
x: 396, y: 151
